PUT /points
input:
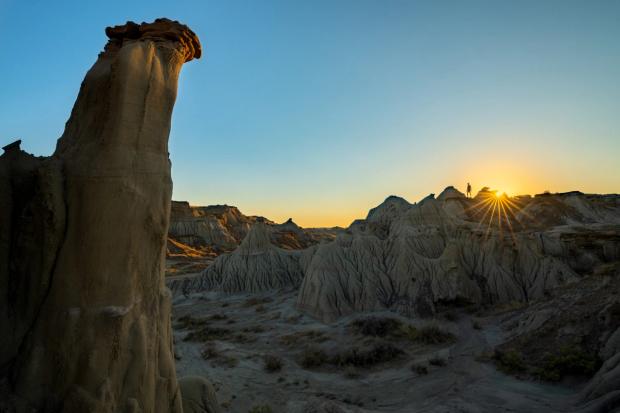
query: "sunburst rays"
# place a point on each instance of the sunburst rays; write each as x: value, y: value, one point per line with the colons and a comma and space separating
x: 494, y: 211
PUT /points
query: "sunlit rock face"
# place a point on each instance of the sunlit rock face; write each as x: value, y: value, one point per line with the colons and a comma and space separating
x: 216, y: 229
x: 85, y: 315
x: 486, y: 250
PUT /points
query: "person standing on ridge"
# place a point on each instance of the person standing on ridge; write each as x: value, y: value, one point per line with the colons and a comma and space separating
x: 468, y: 190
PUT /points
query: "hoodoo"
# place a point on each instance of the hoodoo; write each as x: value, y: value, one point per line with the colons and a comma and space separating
x: 257, y: 265
x: 84, y: 314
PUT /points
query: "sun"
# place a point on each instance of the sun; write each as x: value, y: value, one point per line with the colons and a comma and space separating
x: 495, y: 210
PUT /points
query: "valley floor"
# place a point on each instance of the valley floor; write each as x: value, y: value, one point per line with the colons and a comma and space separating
x: 227, y: 337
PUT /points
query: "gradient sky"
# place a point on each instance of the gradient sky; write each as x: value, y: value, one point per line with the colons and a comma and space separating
x: 318, y: 110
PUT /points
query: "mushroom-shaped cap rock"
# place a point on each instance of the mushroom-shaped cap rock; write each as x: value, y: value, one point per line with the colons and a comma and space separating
x: 164, y: 29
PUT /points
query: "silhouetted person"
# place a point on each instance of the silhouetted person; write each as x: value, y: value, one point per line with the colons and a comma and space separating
x: 468, y: 190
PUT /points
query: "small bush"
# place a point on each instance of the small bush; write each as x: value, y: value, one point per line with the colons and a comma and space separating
x: 303, y: 337
x: 256, y: 301
x: 451, y: 315
x: 254, y: 329
x: 420, y: 369
x: 407, y: 332
x: 432, y: 334
x: 428, y: 334
x: 272, y: 363
x: 350, y: 372
x: 476, y: 324
x: 356, y: 356
x: 294, y: 318
x: 510, y: 361
x: 570, y: 360
x: 437, y: 361
x: 230, y: 361
x: 243, y: 338
x: 189, y: 322
x: 209, y: 352
x: 260, y: 408
x: 207, y: 333
x: 365, y: 357
x: 376, y: 326
x: 313, y: 357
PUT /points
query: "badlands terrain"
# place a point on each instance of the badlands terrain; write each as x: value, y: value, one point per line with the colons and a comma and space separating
x: 114, y: 299
x: 451, y: 304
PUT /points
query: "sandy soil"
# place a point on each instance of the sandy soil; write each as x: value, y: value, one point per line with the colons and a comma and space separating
x: 262, y: 325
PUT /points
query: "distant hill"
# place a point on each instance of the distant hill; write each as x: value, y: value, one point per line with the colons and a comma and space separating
x: 198, y: 234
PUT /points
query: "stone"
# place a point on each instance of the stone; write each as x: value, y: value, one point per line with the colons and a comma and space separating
x: 257, y: 265
x: 86, y: 316
x: 407, y: 258
x: 198, y: 395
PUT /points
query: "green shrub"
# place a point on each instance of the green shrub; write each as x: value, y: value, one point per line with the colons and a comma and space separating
x: 208, y: 333
x: 356, y: 356
x: 407, y: 332
x: 303, y: 337
x: 428, y: 334
x: 209, y: 352
x: 256, y: 301
x: 260, y: 408
x: 313, y: 357
x: 272, y: 363
x: 387, y: 326
x: 218, y: 317
x: 569, y: 360
x: 350, y: 372
x: 437, y: 361
x: 243, y: 338
x: 254, y: 329
x: 230, y: 361
x: 189, y: 322
x: 451, y: 315
x: 420, y: 369
x: 366, y: 357
x: 510, y: 361
x: 375, y: 326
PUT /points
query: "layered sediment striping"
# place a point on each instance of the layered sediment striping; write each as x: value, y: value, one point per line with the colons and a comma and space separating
x: 409, y: 258
x: 85, y: 314
x: 257, y: 265
x: 217, y: 229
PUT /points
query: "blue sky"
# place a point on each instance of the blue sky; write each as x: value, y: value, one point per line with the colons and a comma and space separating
x: 318, y: 110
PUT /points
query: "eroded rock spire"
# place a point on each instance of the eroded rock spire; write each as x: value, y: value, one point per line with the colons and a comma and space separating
x: 82, y: 239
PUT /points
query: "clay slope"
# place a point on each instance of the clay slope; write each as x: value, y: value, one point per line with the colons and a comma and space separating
x: 574, y: 331
x: 84, y: 314
x: 216, y: 229
x: 409, y: 258
x: 257, y: 265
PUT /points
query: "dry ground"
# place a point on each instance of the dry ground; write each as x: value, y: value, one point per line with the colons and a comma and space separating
x: 230, y: 339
